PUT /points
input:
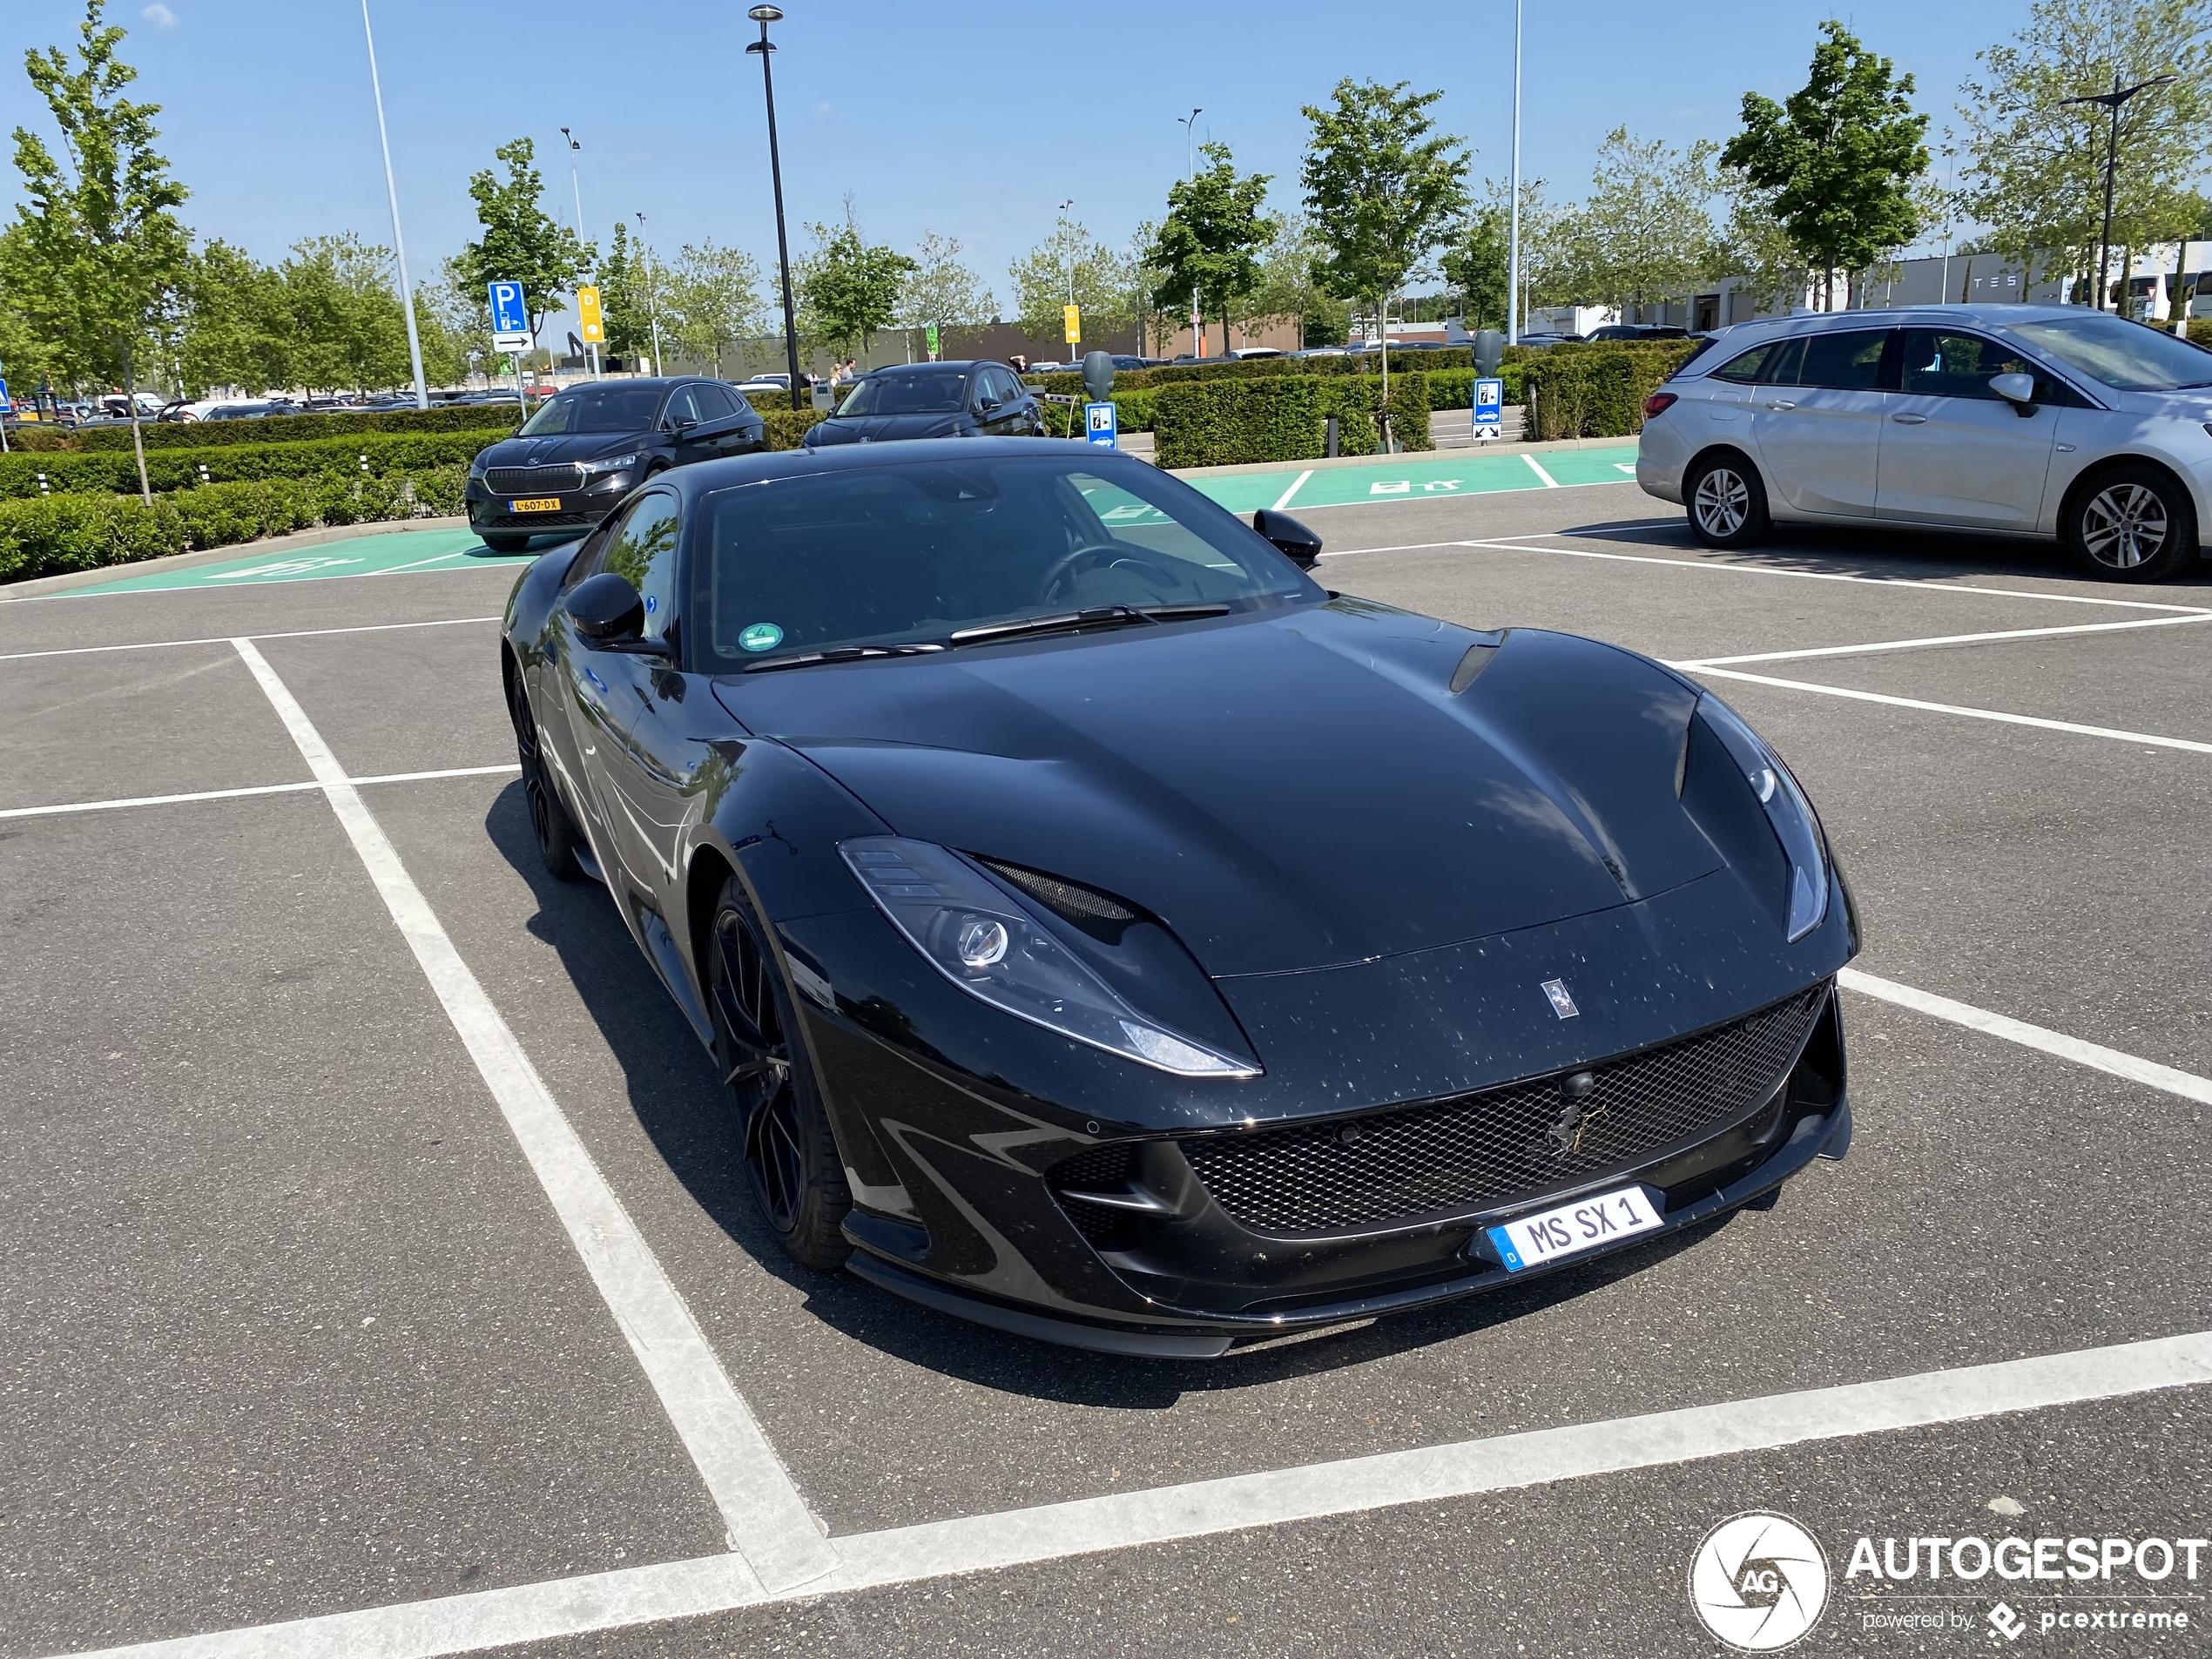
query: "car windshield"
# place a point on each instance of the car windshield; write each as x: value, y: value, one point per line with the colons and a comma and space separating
x: 2124, y: 355
x: 595, y: 409
x: 934, y: 391
x: 909, y: 553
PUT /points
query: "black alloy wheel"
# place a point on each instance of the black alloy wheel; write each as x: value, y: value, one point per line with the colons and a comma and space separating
x: 790, y: 1155
x: 556, y: 832
x: 1727, y: 503
x: 2132, y: 524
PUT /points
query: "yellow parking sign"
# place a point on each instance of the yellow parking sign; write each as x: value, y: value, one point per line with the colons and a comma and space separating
x: 588, y: 314
x: 1074, y: 325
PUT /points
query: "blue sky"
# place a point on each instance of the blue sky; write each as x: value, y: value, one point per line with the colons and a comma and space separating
x: 969, y: 119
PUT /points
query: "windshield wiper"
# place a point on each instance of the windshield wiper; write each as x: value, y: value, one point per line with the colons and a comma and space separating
x: 1097, y: 616
x: 841, y: 654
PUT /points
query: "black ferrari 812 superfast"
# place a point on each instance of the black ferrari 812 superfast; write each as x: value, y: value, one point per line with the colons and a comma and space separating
x: 1108, y: 934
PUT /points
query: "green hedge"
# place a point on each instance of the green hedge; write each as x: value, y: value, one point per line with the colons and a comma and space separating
x: 175, y: 470
x: 1454, y: 389
x: 1069, y: 382
x: 1598, y: 391
x: 1235, y: 420
x: 277, y: 429
x: 84, y: 532
x: 786, y: 427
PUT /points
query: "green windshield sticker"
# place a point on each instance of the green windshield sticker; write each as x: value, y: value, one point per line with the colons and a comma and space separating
x: 761, y: 636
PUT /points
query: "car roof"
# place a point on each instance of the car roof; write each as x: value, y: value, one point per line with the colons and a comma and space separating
x: 704, y: 477
x: 1985, y: 316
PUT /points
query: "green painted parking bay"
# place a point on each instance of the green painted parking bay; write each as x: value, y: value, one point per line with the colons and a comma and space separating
x: 1392, y: 478
x: 396, y: 550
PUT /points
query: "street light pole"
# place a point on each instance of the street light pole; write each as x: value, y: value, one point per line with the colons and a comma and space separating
x: 653, y: 294
x: 590, y: 352
x: 1064, y: 206
x: 1190, y: 131
x: 1513, y: 247
x: 764, y: 16
x: 398, y: 243
x: 2112, y: 100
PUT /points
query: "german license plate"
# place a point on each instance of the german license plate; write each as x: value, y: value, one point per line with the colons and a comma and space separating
x: 535, y: 504
x: 1606, y: 1218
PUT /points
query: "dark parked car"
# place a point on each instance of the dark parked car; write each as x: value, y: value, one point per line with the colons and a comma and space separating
x: 932, y: 400
x: 582, y: 451
x: 1637, y: 331
x: 1106, y: 933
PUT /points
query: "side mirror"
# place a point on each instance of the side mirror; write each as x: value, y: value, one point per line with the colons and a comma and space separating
x: 605, y: 607
x: 2019, y: 390
x: 1300, y: 545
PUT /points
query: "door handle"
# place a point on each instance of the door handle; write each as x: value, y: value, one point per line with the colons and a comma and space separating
x: 1910, y: 419
x: 1781, y: 406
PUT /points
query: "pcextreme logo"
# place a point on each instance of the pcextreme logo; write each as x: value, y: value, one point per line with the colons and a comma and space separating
x: 1758, y: 1582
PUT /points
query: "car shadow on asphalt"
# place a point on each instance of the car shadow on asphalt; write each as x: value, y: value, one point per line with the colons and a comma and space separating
x: 681, y: 1106
x: 1917, y: 554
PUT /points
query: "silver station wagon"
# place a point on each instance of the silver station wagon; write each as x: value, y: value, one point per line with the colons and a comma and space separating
x: 2052, y: 421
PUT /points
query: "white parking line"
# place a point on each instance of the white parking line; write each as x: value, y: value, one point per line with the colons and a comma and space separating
x: 225, y: 639
x: 256, y: 789
x: 1521, y: 544
x: 1207, y: 1508
x: 2135, y: 1069
x: 1944, y: 639
x: 1536, y: 466
x: 769, y: 1524
x: 1296, y: 484
x: 2148, y: 739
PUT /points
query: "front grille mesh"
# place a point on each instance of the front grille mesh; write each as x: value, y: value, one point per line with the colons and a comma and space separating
x: 533, y: 481
x: 1483, y: 1149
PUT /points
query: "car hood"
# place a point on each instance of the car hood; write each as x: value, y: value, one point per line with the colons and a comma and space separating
x: 1287, y: 790
x: 873, y: 428
x: 562, y: 446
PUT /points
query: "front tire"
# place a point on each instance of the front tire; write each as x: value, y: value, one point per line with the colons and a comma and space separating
x: 2132, y: 524
x: 1727, y: 502
x: 790, y: 1155
x: 555, y: 833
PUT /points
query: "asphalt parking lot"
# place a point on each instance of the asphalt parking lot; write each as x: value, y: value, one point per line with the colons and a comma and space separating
x: 381, y: 1278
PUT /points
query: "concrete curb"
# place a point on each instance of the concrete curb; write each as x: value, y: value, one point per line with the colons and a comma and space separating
x: 70, y: 580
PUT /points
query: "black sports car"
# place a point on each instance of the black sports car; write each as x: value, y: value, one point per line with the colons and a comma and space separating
x: 578, y: 455
x: 1110, y: 935
x: 932, y: 400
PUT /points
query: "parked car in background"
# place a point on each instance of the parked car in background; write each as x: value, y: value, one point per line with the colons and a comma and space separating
x: 1243, y: 351
x: 2051, y: 421
x: 969, y: 400
x: 1637, y: 331
x: 580, y: 453
x: 1540, y: 341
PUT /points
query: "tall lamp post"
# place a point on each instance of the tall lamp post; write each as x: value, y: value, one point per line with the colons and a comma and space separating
x: 1513, y: 242
x: 764, y: 16
x: 398, y: 243
x: 653, y: 294
x: 2112, y: 100
x: 1190, y: 131
x: 1063, y: 211
x: 576, y: 184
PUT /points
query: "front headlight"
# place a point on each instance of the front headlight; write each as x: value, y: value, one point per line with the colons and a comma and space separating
x: 608, y: 463
x: 987, y: 942
x: 1787, y: 812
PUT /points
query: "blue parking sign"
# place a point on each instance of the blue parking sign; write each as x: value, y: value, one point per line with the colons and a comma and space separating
x: 1489, y: 408
x: 510, y: 317
x: 1100, y: 425
x: 7, y: 405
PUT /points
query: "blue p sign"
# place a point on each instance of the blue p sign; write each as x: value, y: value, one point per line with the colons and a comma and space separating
x: 510, y: 317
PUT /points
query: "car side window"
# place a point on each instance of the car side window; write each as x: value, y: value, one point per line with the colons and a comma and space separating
x: 1744, y: 369
x: 715, y: 402
x: 1781, y: 369
x: 1939, y: 363
x: 643, y: 548
x: 1847, y: 359
x: 682, y: 406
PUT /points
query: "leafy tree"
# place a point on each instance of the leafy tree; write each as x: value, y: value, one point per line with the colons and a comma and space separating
x: 464, y: 315
x: 347, y: 330
x: 624, y: 296
x: 237, y: 331
x: 847, y: 289
x: 1475, y: 262
x: 1286, y: 285
x: 713, y: 301
x: 98, y: 251
x: 1643, y: 233
x: 941, y: 290
x: 1210, y: 245
x: 1103, y: 282
x: 1380, y: 189
x: 1840, y: 156
x: 522, y: 243
x: 2034, y: 171
x: 1757, y: 248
